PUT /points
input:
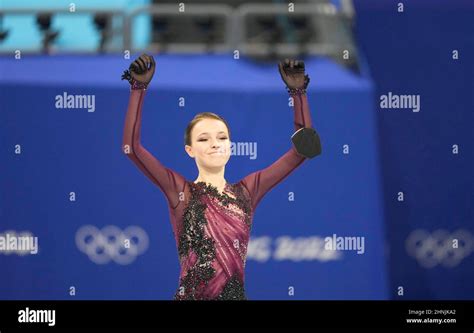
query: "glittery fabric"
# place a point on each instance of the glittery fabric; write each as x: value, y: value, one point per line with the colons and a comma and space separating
x: 213, y: 243
x: 211, y: 228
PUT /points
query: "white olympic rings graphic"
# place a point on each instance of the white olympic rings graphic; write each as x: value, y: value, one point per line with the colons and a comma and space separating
x: 111, y: 243
x: 439, y: 247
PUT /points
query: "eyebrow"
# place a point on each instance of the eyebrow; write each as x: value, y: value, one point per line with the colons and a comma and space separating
x: 208, y: 133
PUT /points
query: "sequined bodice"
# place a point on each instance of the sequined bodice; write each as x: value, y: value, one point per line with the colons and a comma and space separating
x: 213, y: 242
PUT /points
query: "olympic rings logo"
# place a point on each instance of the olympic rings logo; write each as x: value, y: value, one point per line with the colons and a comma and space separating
x: 111, y: 243
x: 439, y: 247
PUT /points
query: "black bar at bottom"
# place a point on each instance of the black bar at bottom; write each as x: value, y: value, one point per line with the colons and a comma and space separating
x: 415, y: 316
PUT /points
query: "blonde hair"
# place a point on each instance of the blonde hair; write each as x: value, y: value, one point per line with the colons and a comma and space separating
x: 196, y: 119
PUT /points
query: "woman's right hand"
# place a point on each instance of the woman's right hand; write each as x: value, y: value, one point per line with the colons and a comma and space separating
x: 143, y: 69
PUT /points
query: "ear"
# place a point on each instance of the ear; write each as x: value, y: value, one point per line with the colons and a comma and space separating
x: 189, y: 150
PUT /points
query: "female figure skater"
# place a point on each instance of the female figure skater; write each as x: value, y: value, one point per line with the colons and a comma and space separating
x: 211, y: 218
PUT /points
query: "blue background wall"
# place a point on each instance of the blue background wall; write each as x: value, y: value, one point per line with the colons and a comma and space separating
x: 68, y: 150
x: 412, y: 53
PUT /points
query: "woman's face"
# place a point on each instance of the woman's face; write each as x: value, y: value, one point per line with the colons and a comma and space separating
x: 210, y: 144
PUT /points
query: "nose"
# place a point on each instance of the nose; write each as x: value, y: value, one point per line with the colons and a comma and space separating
x: 215, y: 144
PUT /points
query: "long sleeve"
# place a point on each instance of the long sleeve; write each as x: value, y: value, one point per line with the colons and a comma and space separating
x: 170, y: 182
x: 262, y: 181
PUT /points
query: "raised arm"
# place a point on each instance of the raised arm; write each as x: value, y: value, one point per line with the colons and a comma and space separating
x: 170, y: 182
x: 262, y: 181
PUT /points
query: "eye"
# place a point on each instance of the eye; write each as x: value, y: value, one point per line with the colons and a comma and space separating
x: 223, y: 138
x: 202, y: 140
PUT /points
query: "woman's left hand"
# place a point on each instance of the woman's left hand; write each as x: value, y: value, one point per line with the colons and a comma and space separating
x: 293, y: 73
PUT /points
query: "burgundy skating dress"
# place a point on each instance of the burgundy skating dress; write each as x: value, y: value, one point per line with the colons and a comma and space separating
x: 211, y: 229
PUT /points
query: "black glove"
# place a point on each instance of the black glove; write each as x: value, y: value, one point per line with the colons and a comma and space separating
x: 141, y: 70
x: 293, y: 74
